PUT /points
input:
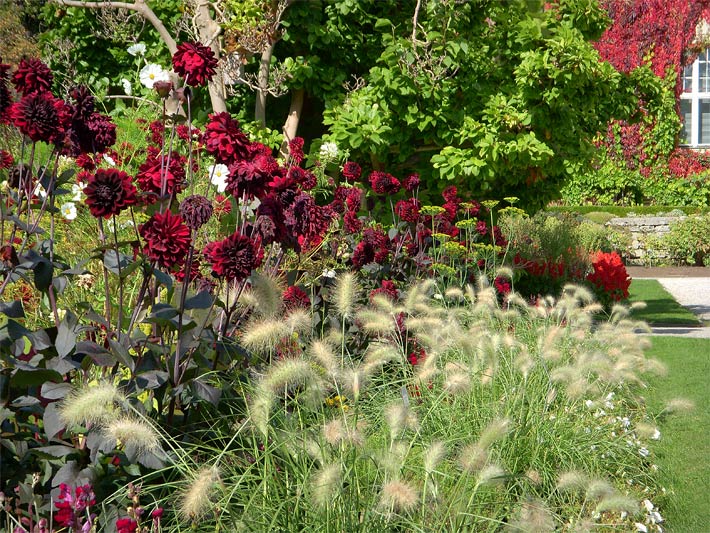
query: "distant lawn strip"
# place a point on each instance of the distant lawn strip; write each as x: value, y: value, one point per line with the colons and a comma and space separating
x: 661, y: 308
x: 683, y: 450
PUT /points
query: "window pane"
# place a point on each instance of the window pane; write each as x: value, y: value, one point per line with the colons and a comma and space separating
x: 688, y: 79
x: 686, y: 119
x: 704, y: 122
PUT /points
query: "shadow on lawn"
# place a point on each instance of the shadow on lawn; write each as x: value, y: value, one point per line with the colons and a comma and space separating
x: 667, y: 312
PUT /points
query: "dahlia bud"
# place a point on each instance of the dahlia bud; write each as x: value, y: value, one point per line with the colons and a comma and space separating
x: 163, y: 88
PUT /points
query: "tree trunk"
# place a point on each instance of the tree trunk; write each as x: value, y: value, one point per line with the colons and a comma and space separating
x: 294, y: 116
x: 209, y: 32
x: 263, y: 81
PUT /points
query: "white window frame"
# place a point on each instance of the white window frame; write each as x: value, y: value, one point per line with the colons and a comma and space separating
x: 694, y: 96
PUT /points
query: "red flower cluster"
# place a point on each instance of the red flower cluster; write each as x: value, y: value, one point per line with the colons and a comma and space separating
x: 72, y: 507
x: 109, y: 191
x: 126, y: 525
x: 408, y: 210
x: 373, y: 248
x: 235, y: 257
x: 195, y: 63
x: 251, y: 177
x: 295, y: 150
x: 307, y: 221
x: 157, y: 168
x: 610, y: 276
x: 383, y: 183
x: 224, y: 139
x: 167, y: 239
x: 295, y: 298
x: 387, y: 288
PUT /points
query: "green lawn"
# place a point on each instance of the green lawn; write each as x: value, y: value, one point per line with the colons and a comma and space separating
x: 683, y: 451
x: 661, y: 309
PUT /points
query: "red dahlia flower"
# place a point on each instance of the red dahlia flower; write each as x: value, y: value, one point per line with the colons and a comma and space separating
x: 296, y: 298
x: 407, y: 210
x: 387, y: 288
x: 167, y: 239
x: 251, y: 178
x: 307, y: 221
x: 109, y: 191
x: 235, y: 257
x: 32, y: 76
x: 411, y: 182
x: 351, y: 171
x: 295, y: 150
x: 383, y: 183
x: 41, y: 117
x: 156, y: 168
x: 195, y: 63
x: 224, y: 139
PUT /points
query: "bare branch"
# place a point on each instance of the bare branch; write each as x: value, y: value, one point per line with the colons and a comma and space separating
x: 137, y: 5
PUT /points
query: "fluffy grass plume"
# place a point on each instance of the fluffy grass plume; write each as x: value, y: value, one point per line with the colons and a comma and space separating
x: 494, y: 431
x: 434, y: 454
x: 399, y: 418
x: 299, y: 321
x: 197, y: 499
x: 345, y: 294
x: 322, y: 352
x: 533, y: 516
x: 376, y: 322
x: 265, y: 295
x: 262, y: 335
x: 326, y: 484
x: 133, y: 433
x: 398, y: 496
x: 90, y: 405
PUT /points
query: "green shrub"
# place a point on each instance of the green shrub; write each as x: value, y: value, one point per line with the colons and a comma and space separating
x: 689, y: 241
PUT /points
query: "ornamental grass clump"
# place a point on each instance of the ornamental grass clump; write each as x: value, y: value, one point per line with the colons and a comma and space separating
x: 508, y: 414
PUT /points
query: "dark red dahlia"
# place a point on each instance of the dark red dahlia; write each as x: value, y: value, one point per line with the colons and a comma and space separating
x: 306, y: 179
x: 407, y: 210
x: 387, y: 288
x: 373, y: 248
x: 307, y: 221
x: 269, y: 223
x: 41, y: 117
x: 32, y: 76
x: 384, y: 183
x: 502, y: 285
x: 235, y: 257
x: 93, y: 134
x: 251, y: 178
x: 157, y: 130
x: 222, y: 206
x: 83, y: 102
x: 351, y: 222
x: 167, y: 239
x: 351, y: 171
x: 481, y: 227
x: 295, y: 150
x: 450, y: 194
x: 6, y: 159
x: 296, y: 298
x: 411, y: 182
x: 224, y: 139
x: 353, y: 200
x: 196, y: 210
x: 109, y: 191
x: 157, y: 169
x: 195, y: 63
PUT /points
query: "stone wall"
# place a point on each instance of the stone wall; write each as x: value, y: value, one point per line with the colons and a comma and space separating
x: 643, y: 230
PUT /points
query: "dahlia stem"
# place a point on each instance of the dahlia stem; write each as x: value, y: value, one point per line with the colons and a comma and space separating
x: 119, y: 321
x: 107, y: 291
x: 177, y: 375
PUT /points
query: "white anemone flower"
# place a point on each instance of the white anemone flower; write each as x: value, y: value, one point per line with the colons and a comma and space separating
x: 127, y: 87
x: 110, y: 160
x: 137, y: 49
x: 40, y: 191
x: 68, y: 210
x: 152, y: 73
x: 77, y: 190
x: 218, y: 176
